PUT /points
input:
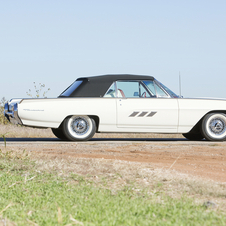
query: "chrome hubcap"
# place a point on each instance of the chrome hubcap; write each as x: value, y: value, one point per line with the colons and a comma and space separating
x: 217, y: 126
x: 79, y: 126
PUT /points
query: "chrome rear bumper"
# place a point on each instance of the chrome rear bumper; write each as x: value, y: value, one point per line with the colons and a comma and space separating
x: 11, y: 111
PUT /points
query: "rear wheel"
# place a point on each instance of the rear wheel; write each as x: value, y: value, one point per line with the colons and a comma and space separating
x: 193, y: 136
x: 79, y: 128
x: 214, y: 127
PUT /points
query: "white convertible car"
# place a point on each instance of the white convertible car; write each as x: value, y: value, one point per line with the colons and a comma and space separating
x: 121, y: 103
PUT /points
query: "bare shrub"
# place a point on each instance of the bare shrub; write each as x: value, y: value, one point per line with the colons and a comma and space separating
x: 39, y: 92
x: 3, y: 119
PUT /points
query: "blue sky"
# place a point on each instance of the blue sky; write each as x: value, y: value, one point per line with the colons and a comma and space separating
x: 54, y: 42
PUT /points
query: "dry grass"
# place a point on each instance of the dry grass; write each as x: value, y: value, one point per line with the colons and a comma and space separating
x: 21, y: 131
x: 3, y: 119
x: 136, y: 135
x: 57, y: 181
x: 116, y: 174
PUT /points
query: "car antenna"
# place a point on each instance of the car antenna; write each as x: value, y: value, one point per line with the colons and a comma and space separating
x: 180, y: 84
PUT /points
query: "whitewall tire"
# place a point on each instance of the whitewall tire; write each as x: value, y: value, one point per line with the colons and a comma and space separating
x: 79, y: 128
x: 214, y: 127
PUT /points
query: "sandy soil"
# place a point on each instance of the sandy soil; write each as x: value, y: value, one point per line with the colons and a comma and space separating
x: 204, y: 159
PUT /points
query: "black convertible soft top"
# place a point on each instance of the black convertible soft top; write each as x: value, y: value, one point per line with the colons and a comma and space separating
x: 97, y: 86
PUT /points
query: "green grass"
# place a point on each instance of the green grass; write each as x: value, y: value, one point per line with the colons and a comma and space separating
x: 31, y: 197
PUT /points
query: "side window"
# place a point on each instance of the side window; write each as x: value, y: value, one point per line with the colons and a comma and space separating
x: 127, y: 89
x: 143, y: 91
x: 135, y: 89
x: 155, y: 89
x: 151, y: 87
x: 160, y: 92
x: 111, y: 91
x: 132, y: 89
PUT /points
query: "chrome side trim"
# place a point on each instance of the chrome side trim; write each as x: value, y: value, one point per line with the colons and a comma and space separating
x: 152, y: 114
x: 143, y: 114
x: 134, y: 114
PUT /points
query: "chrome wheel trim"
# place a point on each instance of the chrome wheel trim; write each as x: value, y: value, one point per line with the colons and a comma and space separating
x: 216, y: 126
x: 79, y: 126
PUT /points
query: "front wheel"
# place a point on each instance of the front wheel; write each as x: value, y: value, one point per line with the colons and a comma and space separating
x: 214, y: 127
x: 79, y: 128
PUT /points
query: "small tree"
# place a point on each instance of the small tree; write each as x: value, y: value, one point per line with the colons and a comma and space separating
x: 39, y: 92
x: 3, y: 119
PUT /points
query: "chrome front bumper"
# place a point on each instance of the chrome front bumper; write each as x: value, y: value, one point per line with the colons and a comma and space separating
x: 11, y: 111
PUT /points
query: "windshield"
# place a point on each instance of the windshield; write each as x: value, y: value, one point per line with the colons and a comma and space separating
x: 71, y: 88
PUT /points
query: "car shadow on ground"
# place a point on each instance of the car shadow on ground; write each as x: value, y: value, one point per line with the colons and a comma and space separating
x: 25, y: 139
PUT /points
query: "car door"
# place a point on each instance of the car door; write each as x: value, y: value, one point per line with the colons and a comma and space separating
x: 141, y: 108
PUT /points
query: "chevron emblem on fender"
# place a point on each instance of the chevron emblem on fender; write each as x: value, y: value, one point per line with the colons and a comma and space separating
x: 143, y: 114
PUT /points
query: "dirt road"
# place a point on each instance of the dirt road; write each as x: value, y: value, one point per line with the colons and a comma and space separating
x: 204, y: 159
